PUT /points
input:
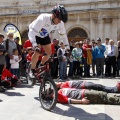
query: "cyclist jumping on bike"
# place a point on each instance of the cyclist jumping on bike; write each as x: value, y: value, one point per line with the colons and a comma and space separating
x: 39, y: 31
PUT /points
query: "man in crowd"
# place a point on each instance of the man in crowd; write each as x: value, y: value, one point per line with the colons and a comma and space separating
x: 112, y: 55
x: 56, y: 46
x: 9, y: 45
x: 118, y: 59
x: 105, y: 54
x: 100, y: 49
x: 19, y: 47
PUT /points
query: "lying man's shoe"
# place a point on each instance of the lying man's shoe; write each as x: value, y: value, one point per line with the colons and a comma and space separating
x: 118, y: 86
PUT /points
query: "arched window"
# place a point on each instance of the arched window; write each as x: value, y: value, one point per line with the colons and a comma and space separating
x: 77, y: 34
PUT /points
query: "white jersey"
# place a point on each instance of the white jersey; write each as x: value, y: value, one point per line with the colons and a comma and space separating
x: 42, y: 26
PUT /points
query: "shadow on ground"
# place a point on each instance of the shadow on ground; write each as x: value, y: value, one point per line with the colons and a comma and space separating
x: 80, y: 114
x: 9, y: 93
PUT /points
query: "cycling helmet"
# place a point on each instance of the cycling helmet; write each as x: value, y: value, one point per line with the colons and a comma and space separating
x: 60, y: 12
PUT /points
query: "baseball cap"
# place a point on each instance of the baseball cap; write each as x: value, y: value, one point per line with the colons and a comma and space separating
x: 98, y: 39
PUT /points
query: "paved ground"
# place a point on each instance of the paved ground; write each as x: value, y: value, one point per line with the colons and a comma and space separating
x: 22, y: 103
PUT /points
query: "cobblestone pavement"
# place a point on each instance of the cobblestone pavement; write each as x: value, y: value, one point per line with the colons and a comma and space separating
x: 22, y: 103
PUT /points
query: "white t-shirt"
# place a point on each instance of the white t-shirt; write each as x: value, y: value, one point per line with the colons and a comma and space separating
x: 14, y: 64
x: 42, y: 26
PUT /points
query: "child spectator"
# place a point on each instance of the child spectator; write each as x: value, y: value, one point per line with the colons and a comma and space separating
x: 61, y: 53
x: 15, y: 62
x: 8, y: 79
x: 29, y: 55
x: 77, y: 59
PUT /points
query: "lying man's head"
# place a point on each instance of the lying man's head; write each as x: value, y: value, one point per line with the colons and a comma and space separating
x: 58, y: 84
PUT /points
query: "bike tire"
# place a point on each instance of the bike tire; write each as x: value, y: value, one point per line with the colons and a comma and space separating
x: 30, y: 81
x: 48, y: 104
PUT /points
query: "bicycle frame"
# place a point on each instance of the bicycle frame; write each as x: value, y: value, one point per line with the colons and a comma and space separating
x: 42, y: 70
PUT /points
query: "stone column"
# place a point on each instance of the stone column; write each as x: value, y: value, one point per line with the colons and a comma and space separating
x: 114, y: 30
x: 92, y: 29
x: 107, y: 27
x: 93, y: 25
x: 101, y: 30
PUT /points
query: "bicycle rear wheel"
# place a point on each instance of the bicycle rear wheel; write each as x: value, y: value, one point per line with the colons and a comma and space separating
x: 48, y: 94
x: 30, y: 81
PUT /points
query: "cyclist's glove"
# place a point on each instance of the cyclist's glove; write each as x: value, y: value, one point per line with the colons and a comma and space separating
x: 37, y: 49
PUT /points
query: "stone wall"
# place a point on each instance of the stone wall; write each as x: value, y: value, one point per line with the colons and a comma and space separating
x: 99, y: 18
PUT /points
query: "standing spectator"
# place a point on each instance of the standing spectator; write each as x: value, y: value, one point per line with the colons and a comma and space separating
x: 105, y: 54
x: 2, y: 60
x: 111, y: 56
x: 9, y: 45
x: 81, y: 63
x: 15, y: 62
x: 100, y: 49
x: 77, y: 59
x: 57, y: 62
x: 62, y: 61
x: 70, y: 62
x: 19, y: 47
x: 72, y: 45
x: 118, y: 59
x: 86, y: 48
x: 93, y: 57
x: 52, y: 60
x: 56, y: 47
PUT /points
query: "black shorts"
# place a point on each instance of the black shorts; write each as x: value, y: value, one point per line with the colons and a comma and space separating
x: 43, y: 41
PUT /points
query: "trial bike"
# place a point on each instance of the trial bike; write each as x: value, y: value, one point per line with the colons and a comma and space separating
x: 48, y: 90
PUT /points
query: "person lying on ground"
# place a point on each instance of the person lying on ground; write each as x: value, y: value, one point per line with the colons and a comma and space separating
x: 88, y: 85
x: 86, y: 96
x: 8, y: 79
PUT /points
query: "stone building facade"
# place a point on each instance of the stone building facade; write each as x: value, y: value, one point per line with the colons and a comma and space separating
x: 87, y: 18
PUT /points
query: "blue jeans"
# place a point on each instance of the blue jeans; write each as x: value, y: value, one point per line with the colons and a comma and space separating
x: 15, y: 72
x: 118, y: 63
x: 62, y: 69
x: 86, y: 68
x: 99, y: 87
x: 70, y: 73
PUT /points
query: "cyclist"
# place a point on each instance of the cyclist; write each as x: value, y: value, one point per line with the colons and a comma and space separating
x: 39, y: 31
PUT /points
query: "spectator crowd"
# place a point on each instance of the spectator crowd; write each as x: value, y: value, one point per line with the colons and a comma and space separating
x: 75, y: 62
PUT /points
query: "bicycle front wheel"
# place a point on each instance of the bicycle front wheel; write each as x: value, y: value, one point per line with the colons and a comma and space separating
x: 48, y: 94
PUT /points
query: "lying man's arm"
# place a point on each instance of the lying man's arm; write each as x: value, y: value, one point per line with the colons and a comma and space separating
x: 83, y: 101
